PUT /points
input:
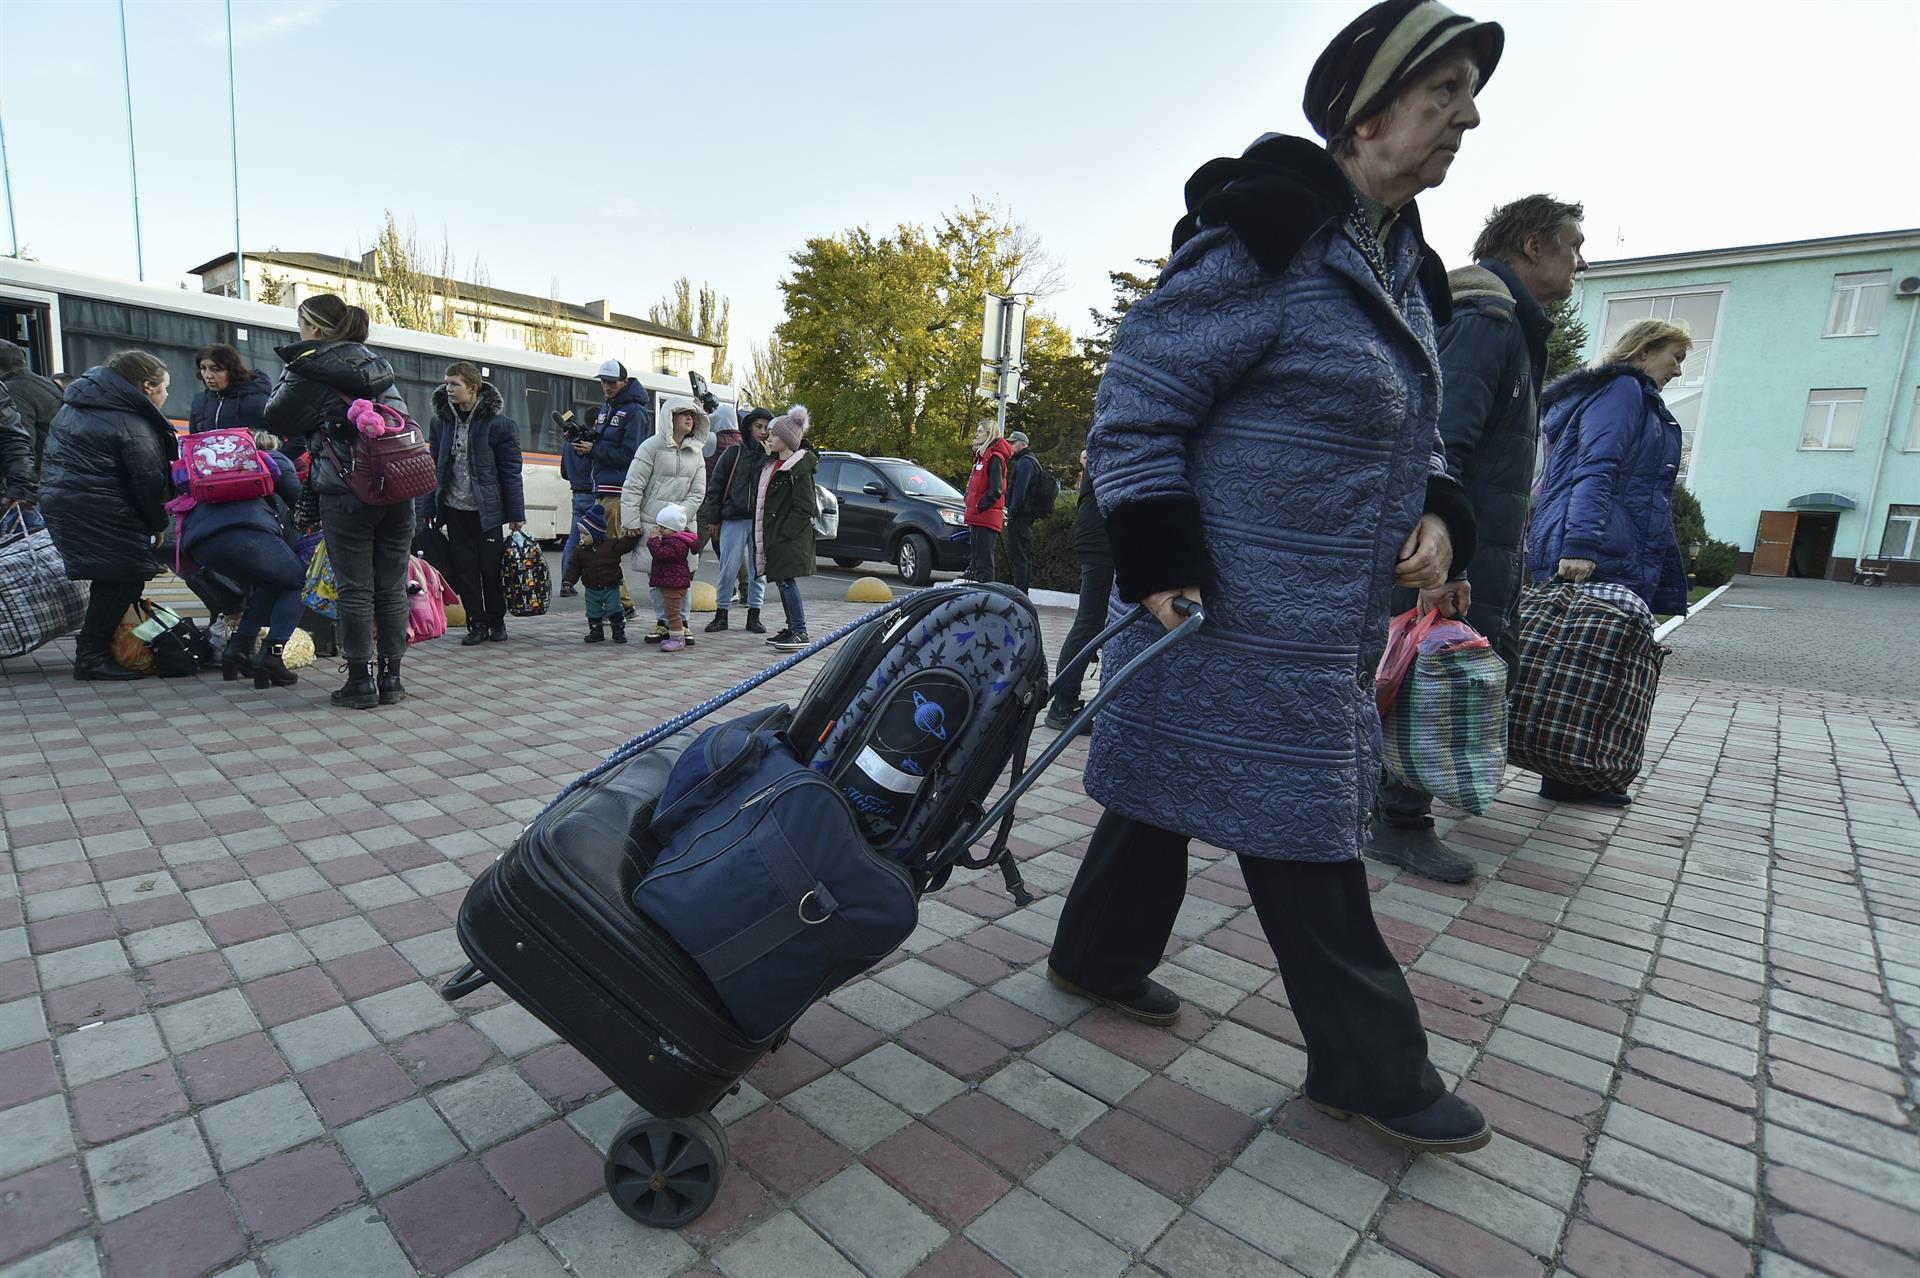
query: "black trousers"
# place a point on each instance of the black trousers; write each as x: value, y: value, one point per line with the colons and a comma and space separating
x: 1089, y: 619
x: 1020, y: 551
x: 474, y: 555
x: 1366, y: 1050
x: 107, y: 604
x: 369, y: 547
x: 983, y: 542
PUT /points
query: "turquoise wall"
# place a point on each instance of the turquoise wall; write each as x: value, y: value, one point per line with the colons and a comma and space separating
x: 1769, y: 351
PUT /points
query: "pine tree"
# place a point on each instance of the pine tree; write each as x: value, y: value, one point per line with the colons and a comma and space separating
x: 1568, y: 343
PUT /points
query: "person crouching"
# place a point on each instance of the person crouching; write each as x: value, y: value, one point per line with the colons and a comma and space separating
x: 596, y: 562
x: 671, y: 543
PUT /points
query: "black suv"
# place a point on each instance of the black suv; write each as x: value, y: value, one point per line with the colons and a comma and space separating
x: 895, y: 510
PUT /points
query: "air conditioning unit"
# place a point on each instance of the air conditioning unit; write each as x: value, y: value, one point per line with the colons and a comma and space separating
x: 1909, y: 287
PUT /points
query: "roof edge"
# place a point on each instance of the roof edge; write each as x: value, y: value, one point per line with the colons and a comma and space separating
x: 1783, y: 250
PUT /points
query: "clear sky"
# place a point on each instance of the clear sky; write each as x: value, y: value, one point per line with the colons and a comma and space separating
x: 604, y: 149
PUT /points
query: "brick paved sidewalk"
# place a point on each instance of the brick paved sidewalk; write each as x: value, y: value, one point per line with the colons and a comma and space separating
x: 222, y: 914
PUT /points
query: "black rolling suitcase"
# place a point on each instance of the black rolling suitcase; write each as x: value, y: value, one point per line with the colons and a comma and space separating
x: 553, y: 923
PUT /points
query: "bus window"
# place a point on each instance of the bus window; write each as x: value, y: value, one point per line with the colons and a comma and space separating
x: 541, y: 437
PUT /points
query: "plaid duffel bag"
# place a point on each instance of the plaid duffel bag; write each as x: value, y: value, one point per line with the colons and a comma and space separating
x: 1446, y: 732
x: 37, y: 602
x: 1584, y: 686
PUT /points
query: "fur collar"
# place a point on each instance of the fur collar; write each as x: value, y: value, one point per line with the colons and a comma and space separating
x: 1471, y: 282
x: 490, y: 404
x: 1584, y: 381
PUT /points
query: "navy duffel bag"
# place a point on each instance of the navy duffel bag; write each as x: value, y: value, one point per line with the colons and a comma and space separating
x: 765, y: 877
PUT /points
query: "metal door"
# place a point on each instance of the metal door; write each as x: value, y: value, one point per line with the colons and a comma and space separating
x: 1773, y: 543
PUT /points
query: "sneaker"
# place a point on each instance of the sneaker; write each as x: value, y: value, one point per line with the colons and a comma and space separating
x: 673, y: 643
x: 1448, y: 1126
x: 1151, y: 1004
x: 626, y: 611
x: 1059, y: 716
x: 796, y: 640
x: 476, y: 635
x: 498, y: 634
x: 658, y: 634
x: 566, y: 591
x: 1417, y: 850
x: 785, y: 636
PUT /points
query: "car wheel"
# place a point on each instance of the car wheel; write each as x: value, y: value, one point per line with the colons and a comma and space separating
x: 841, y: 561
x: 914, y: 559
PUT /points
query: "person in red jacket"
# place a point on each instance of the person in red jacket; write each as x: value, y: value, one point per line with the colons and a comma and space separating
x: 987, y: 498
x: 671, y: 543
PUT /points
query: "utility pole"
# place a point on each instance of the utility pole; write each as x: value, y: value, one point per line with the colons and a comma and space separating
x: 233, y: 126
x: 6, y: 179
x: 1001, y: 338
x: 133, y: 163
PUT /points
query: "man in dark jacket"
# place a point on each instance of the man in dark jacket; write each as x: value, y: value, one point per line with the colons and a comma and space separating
x: 727, y: 514
x: 1022, y: 490
x: 1096, y: 586
x: 622, y: 423
x: 1493, y: 358
x: 35, y: 398
x: 19, y: 481
x: 476, y: 449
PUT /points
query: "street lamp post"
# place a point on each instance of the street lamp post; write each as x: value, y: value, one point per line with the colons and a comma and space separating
x: 133, y: 162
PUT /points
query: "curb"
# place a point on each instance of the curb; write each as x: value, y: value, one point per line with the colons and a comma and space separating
x: 1672, y: 624
x: 1053, y: 599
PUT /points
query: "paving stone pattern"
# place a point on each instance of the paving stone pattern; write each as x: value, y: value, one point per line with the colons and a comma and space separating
x: 223, y: 914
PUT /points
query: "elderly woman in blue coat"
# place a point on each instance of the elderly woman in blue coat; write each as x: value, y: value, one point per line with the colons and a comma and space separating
x: 1266, y: 438
x: 1604, y: 510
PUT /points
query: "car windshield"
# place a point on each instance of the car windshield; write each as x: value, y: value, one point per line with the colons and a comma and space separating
x: 920, y: 483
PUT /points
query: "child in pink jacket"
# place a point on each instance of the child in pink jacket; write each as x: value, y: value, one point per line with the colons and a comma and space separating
x: 670, y: 546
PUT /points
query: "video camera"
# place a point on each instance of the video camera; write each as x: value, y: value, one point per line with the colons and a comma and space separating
x: 572, y: 429
x: 707, y: 399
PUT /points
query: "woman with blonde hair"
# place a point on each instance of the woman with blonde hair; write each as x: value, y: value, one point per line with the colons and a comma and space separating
x: 1603, y: 513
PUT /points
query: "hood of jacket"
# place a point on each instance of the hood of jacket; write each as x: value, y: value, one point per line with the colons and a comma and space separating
x: 702, y: 427
x: 1584, y: 381
x: 257, y: 384
x: 632, y: 396
x: 345, y: 366
x: 101, y: 388
x: 1277, y: 195
x: 1477, y: 283
x: 489, y: 404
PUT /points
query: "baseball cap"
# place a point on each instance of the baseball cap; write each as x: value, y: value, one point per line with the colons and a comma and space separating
x: 1018, y: 437
x: 612, y: 371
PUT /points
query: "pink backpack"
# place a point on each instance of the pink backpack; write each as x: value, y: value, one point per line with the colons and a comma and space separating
x: 223, y: 465
x: 427, y: 598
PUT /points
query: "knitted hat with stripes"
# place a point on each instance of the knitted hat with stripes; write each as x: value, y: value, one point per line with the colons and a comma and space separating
x: 1370, y: 61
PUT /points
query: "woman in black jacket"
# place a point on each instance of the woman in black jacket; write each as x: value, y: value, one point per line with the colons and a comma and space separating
x: 103, y: 492
x: 247, y: 542
x: 327, y: 369
x: 235, y: 396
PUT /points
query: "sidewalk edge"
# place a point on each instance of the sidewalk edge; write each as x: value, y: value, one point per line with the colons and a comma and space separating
x: 1672, y: 624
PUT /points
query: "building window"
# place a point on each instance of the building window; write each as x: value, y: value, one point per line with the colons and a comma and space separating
x: 1833, y: 419
x: 1686, y: 394
x: 1913, y: 424
x: 675, y: 360
x: 1903, y: 533
x: 1859, y: 300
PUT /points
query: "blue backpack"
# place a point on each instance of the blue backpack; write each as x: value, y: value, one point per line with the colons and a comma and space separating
x: 791, y: 847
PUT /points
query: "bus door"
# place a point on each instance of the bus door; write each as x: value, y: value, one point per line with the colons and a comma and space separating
x: 28, y: 324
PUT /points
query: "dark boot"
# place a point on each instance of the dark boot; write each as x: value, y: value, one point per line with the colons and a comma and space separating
x: 719, y: 621
x: 619, y: 624
x: 476, y: 635
x: 392, y: 691
x: 236, y: 659
x: 753, y: 622
x: 359, y: 692
x: 1448, y: 1126
x: 1059, y: 716
x: 94, y: 661
x: 1150, y: 1003
x: 270, y: 668
x: 497, y: 633
x: 1568, y: 792
x: 596, y: 632
x: 1417, y: 850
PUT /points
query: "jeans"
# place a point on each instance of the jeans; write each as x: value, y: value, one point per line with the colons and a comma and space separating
x: 369, y: 547
x: 1366, y: 1049
x: 658, y: 598
x: 582, y: 503
x: 983, y: 541
x: 1089, y: 619
x: 1020, y: 551
x: 603, y: 601
x: 474, y: 555
x: 796, y: 609
x: 267, y: 564
x: 1407, y: 807
x: 736, y: 558
x: 107, y: 604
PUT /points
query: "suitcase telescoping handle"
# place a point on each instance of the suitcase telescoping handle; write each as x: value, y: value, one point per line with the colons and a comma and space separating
x: 955, y: 851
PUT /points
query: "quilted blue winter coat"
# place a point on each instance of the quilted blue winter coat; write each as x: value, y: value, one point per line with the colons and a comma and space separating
x: 1613, y: 454
x: 1267, y: 429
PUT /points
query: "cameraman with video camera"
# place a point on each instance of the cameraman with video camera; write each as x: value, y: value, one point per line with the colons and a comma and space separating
x: 605, y: 450
x: 577, y: 469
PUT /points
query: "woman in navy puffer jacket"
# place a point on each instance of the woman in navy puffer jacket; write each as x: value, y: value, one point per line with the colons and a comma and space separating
x: 1604, y: 508
x: 247, y: 541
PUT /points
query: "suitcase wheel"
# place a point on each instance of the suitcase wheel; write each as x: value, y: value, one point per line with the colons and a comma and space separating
x: 663, y: 1172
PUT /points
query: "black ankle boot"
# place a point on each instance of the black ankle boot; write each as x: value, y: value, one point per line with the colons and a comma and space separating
x: 719, y: 621
x: 359, y: 691
x: 392, y: 691
x: 270, y: 668
x: 93, y: 660
x: 596, y: 633
x: 236, y: 659
x: 753, y: 622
